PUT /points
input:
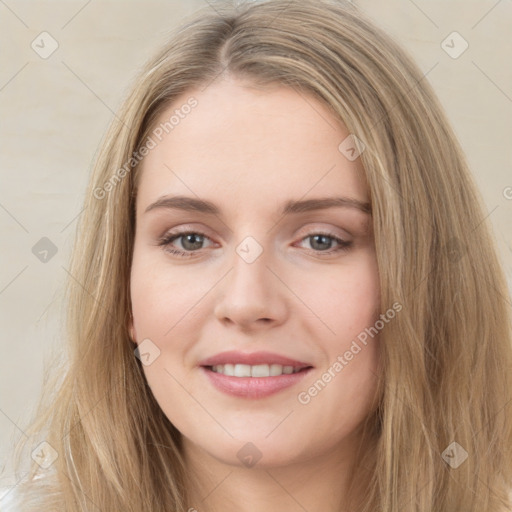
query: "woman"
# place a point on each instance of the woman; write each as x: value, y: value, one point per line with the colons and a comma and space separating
x: 222, y: 356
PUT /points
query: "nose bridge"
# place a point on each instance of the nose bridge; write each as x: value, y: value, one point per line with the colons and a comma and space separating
x: 250, y: 280
x: 250, y: 272
x: 250, y: 291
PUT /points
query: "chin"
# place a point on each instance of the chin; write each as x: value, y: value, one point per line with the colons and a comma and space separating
x: 258, y: 453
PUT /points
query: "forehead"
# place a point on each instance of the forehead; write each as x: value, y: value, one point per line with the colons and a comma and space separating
x: 248, y: 145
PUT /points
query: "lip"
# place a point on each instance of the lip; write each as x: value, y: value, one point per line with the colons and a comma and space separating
x: 253, y: 387
x: 254, y: 358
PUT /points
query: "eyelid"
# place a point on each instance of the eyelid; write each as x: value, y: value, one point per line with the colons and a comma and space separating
x: 319, y: 227
x: 304, y: 231
x: 171, y: 235
x: 184, y: 229
x: 343, y: 244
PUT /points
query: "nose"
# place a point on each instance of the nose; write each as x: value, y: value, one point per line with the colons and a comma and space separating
x: 252, y: 296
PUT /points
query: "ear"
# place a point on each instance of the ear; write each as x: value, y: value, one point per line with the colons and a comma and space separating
x: 132, y: 332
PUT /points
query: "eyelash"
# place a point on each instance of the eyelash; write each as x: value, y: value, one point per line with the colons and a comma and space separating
x: 166, y: 240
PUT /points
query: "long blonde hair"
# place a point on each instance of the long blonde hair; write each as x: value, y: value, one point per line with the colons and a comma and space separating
x: 446, y: 359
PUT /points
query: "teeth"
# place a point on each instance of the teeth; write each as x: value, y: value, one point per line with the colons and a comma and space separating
x: 242, y: 370
x: 258, y: 370
x: 229, y: 369
x: 276, y: 369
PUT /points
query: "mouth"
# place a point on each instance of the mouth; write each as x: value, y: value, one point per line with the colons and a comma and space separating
x: 257, y: 371
x: 252, y: 375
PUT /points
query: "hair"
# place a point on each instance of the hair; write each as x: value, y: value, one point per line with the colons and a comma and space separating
x: 446, y: 358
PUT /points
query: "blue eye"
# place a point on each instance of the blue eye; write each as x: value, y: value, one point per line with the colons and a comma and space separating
x: 194, y: 241
x: 191, y: 237
x: 320, y: 239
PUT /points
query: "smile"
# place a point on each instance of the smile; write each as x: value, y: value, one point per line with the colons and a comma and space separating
x: 258, y: 370
x: 253, y: 382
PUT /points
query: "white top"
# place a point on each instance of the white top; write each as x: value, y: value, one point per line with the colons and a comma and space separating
x: 8, y: 499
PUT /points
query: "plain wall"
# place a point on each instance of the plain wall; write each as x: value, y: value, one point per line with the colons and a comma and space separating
x: 55, y: 111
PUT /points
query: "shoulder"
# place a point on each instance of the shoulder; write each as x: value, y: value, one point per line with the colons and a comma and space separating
x: 8, y: 499
x: 11, y: 497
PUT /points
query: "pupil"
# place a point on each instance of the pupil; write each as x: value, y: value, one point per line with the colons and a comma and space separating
x: 194, y: 239
x: 315, y: 237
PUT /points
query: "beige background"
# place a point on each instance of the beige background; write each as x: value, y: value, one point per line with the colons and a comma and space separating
x: 55, y: 111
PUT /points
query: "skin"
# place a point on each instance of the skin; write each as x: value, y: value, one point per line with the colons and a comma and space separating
x: 249, y: 151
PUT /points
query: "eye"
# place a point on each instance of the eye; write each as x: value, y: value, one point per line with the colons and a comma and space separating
x: 191, y: 242
x: 319, y: 241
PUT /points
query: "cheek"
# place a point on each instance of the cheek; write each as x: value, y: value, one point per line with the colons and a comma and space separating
x: 345, y: 301
x: 161, y: 297
x: 165, y: 304
x: 161, y: 308
x: 347, y: 304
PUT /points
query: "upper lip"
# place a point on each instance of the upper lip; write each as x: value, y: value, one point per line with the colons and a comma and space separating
x: 254, y: 358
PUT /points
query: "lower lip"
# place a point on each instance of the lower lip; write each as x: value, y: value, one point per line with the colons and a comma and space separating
x: 253, y: 387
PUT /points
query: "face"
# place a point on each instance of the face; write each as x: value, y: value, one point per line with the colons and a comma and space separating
x: 252, y: 271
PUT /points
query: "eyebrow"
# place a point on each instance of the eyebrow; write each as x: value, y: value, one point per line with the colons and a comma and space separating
x: 191, y: 204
